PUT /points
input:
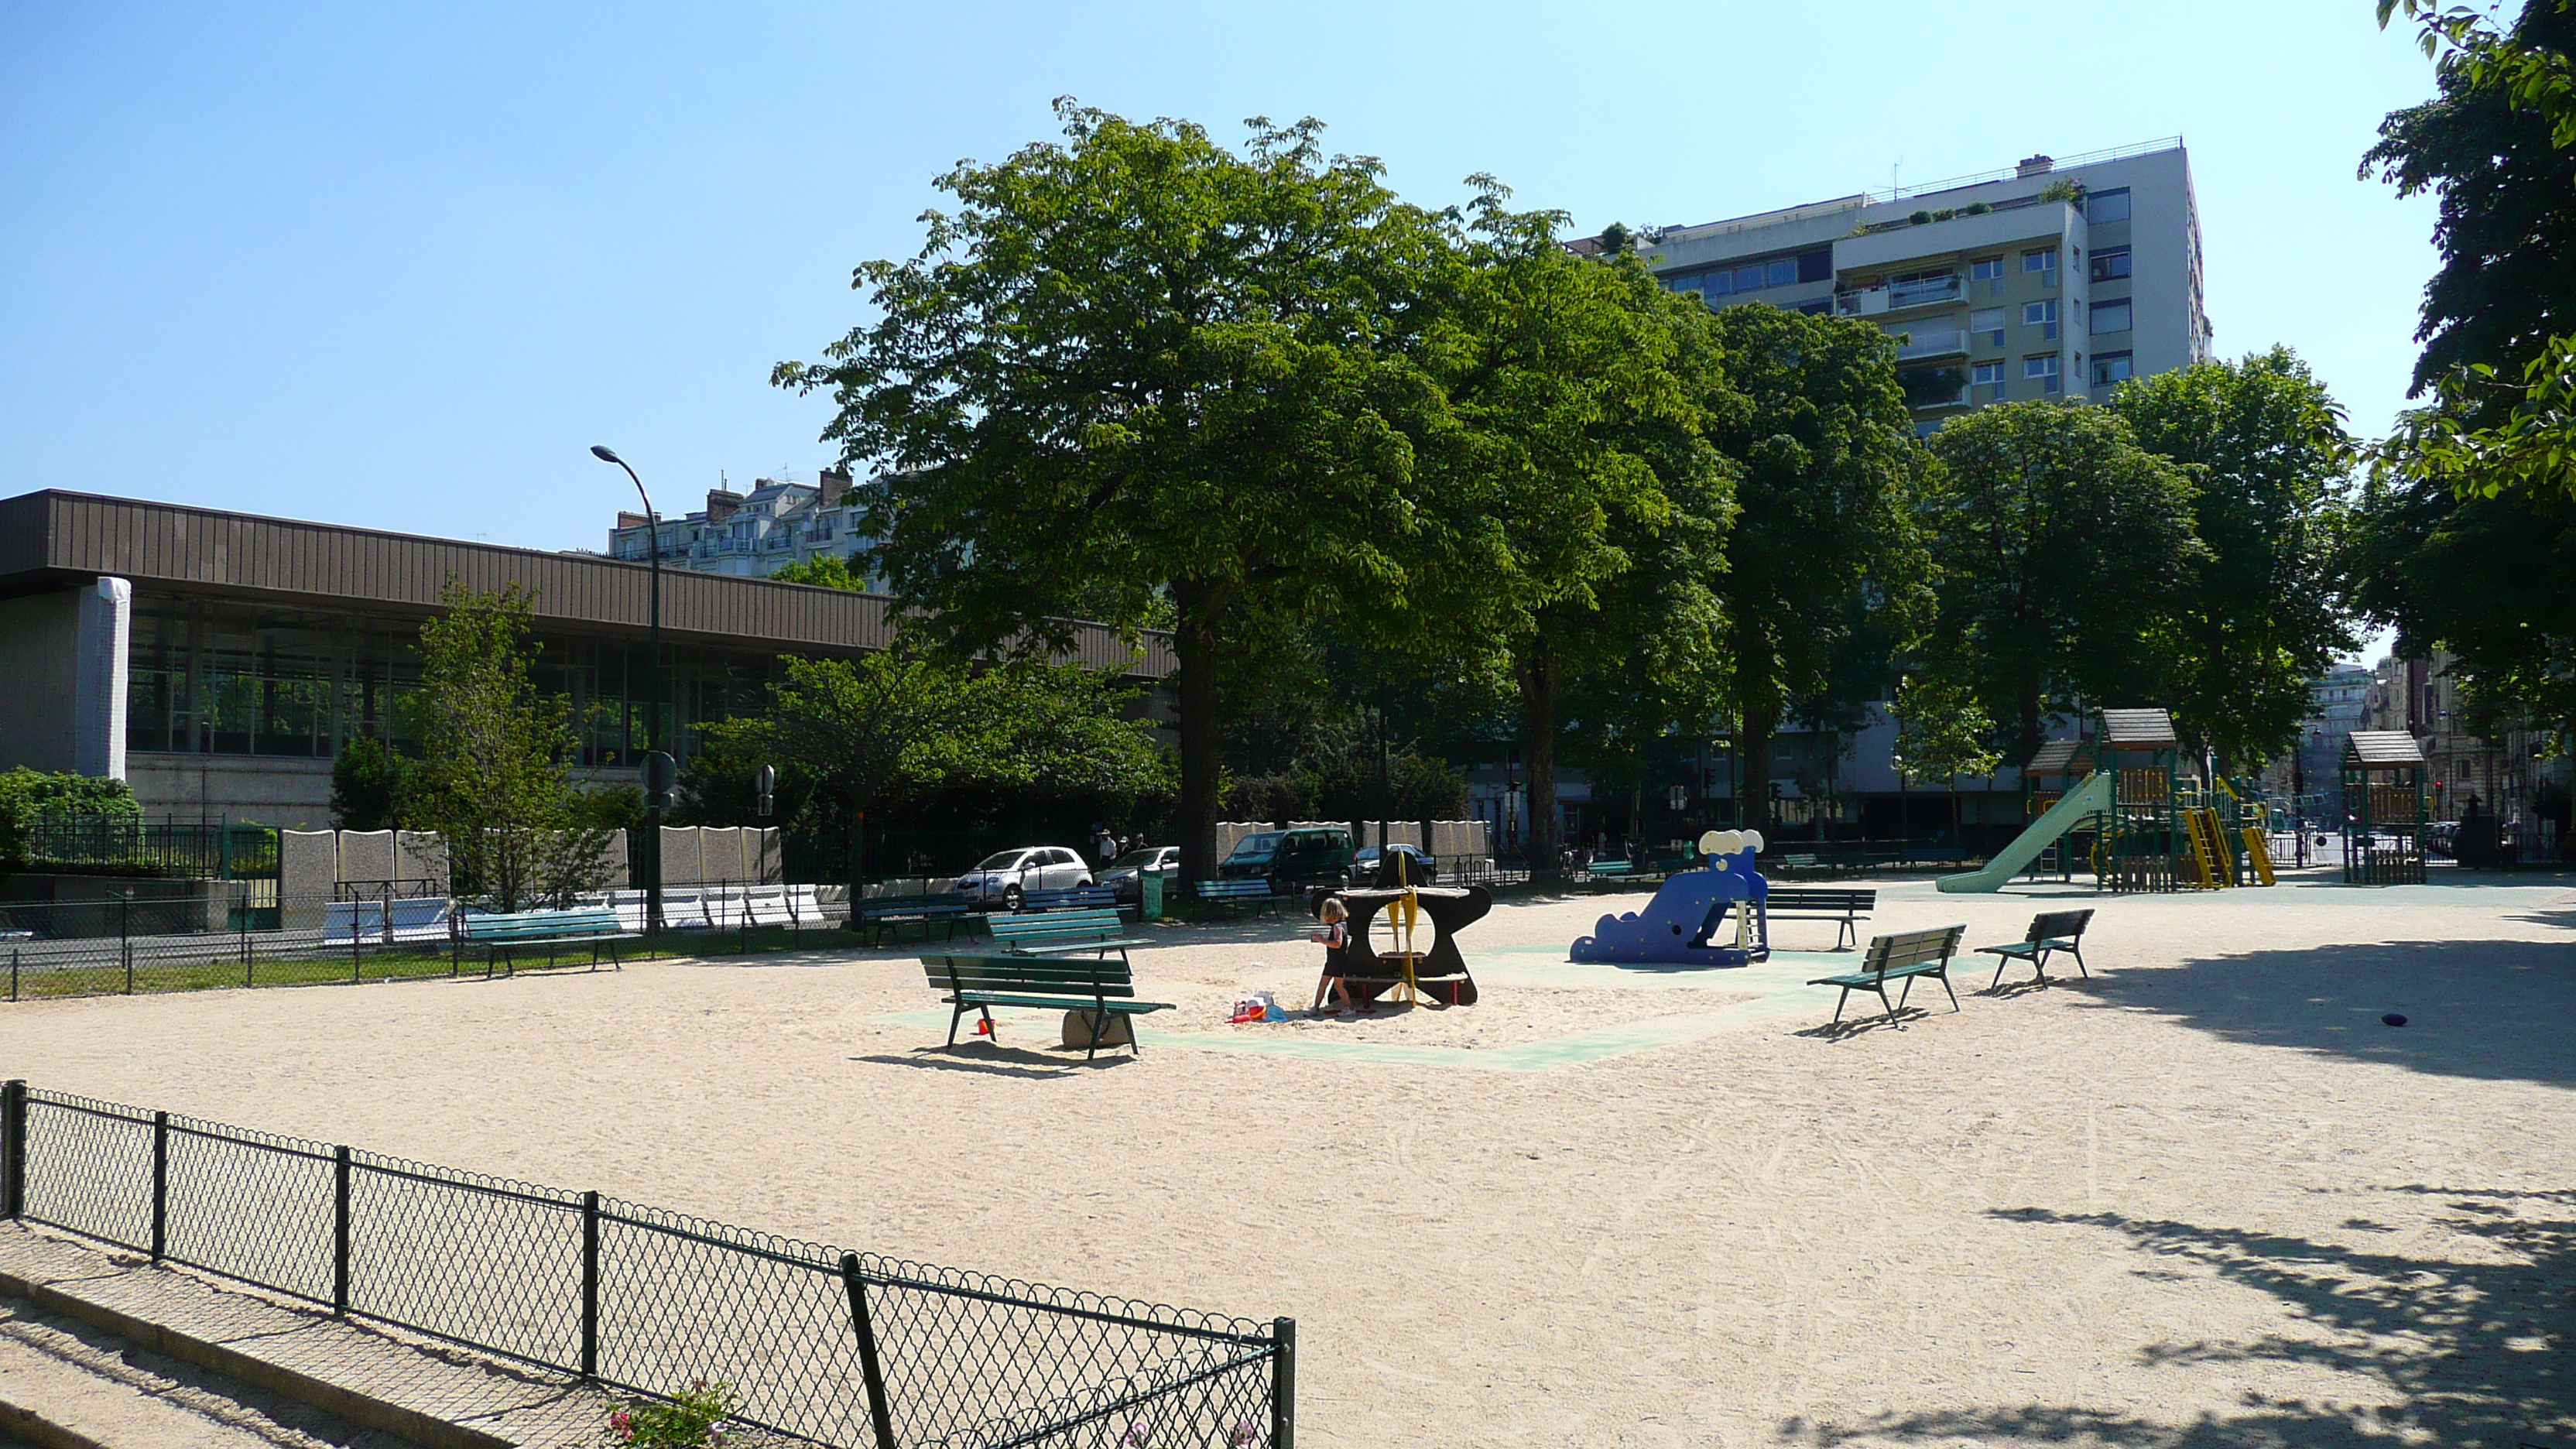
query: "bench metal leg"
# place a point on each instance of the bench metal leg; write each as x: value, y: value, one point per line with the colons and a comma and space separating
x: 1945, y: 986
x: 1839, y: 1004
x: 2077, y: 951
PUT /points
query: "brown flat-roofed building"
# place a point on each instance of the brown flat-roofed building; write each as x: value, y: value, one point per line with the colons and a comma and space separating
x: 218, y: 661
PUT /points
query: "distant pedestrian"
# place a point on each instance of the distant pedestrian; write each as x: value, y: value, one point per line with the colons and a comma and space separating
x: 1104, y: 844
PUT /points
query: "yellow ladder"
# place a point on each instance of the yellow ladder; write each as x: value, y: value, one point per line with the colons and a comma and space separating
x: 2208, y: 849
x: 2258, y: 849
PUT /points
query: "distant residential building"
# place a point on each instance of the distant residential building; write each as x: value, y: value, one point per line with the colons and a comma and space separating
x: 754, y: 534
x: 2507, y: 776
x: 2046, y: 279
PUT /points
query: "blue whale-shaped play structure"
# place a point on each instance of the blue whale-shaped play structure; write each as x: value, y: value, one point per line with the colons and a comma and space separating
x: 1692, y: 919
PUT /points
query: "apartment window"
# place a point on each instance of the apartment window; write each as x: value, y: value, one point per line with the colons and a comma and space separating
x: 1988, y: 379
x: 2110, y: 264
x: 2110, y: 368
x: 1986, y: 269
x: 2042, y: 315
x: 1988, y: 324
x: 2043, y: 367
x: 2042, y: 260
x: 1817, y: 308
x: 2104, y: 206
x: 2111, y: 316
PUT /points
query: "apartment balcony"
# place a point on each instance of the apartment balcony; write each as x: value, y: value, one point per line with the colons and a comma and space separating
x: 1923, y: 344
x: 1870, y: 301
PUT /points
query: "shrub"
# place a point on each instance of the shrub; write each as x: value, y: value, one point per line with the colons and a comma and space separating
x: 367, y: 783
x: 694, y: 1419
x: 26, y: 794
x: 1919, y: 218
x: 1975, y: 208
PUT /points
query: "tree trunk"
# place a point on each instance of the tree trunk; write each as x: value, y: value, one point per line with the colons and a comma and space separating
x: 1194, y: 645
x: 858, y: 861
x: 1754, y: 741
x: 1538, y: 678
x: 2027, y: 728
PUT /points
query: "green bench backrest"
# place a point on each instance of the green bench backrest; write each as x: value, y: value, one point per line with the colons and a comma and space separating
x: 1804, y: 898
x: 1234, y: 887
x: 910, y: 905
x: 2055, y: 925
x: 536, y: 925
x: 1912, y: 948
x: 1054, y: 926
x: 1055, y: 975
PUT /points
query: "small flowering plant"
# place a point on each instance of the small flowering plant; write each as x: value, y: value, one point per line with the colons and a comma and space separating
x: 694, y: 1419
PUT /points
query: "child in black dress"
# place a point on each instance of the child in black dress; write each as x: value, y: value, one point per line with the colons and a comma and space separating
x: 1335, y: 938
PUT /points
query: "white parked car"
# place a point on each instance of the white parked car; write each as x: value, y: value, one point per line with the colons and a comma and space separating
x: 1004, y: 878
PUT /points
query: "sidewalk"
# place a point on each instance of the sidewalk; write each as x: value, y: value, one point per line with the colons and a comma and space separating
x: 250, y: 1370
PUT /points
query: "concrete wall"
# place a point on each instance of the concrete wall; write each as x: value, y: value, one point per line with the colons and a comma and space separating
x: 262, y: 789
x: 39, y: 652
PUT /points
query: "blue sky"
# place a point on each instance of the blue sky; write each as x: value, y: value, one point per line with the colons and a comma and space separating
x: 399, y: 266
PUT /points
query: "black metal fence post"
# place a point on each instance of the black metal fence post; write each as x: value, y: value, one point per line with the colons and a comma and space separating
x: 13, y: 1149
x: 340, y: 1230
x: 125, y: 935
x: 160, y: 1184
x: 590, y: 1285
x: 13, y: 973
x: 242, y: 905
x: 1283, y: 1384
x: 869, y: 1370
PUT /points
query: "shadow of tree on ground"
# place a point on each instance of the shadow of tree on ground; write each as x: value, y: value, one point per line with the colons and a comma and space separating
x: 2469, y: 1351
x: 2495, y: 1010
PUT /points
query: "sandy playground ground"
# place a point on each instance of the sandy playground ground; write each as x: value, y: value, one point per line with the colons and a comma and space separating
x: 2204, y: 1198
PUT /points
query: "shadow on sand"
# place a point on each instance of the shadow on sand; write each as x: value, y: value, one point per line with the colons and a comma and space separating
x: 2495, y: 1010
x: 2471, y: 1349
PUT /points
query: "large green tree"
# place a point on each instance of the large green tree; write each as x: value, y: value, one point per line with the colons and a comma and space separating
x: 1141, y: 374
x: 2467, y: 537
x: 1587, y: 508
x: 2267, y: 610
x: 889, y: 731
x: 2498, y: 145
x: 495, y: 775
x: 2062, y: 547
x: 1827, y: 477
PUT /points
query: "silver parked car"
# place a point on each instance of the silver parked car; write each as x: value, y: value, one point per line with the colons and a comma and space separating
x: 1005, y: 877
x: 1124, y: 875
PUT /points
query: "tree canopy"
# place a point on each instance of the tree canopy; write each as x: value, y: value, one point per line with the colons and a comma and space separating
x: 2062, y: 546
x: 1826, y: 480
x: 1146, y: 371
x: 2267, y: 610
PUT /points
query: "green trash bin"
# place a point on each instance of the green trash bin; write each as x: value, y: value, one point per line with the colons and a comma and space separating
x: 1149, y: 888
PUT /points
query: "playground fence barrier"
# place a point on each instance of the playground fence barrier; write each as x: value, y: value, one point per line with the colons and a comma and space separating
x: 843, y: 1349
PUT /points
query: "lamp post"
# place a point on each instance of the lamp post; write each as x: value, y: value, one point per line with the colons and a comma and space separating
x: 656, y: 766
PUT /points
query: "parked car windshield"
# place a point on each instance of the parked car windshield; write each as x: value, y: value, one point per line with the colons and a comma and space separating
x: 1252, y: 845
x: 1001, y: 860
x: 1136, y: 858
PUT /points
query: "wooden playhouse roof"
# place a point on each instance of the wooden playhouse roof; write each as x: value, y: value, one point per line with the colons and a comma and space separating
x: 2053, y: 757
x: 2382, y: 749
x: 2139, y: 729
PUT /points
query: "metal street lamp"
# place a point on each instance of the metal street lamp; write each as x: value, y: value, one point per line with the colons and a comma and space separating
x: 657, y: 765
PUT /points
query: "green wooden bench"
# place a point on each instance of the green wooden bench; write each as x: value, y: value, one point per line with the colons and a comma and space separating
x: 502, y: 934
x: 1063, y: 933
x: 2050, y: 931
x: 1099, y: 989
x: 1900, y: 957
x: 883, y: 913
x: 1250, y: 891
x: 1844, y: 907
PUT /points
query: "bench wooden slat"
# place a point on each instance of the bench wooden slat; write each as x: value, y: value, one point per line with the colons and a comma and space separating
x: 1901, y: 956
x: 2050, y: 932
x: 1098, y: 987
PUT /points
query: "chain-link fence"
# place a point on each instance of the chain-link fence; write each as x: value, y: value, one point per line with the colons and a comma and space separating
x: 192, y: 935
x: 821, y: 1345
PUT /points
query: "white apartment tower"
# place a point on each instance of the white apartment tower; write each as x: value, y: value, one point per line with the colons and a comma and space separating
x: 2051, y: 279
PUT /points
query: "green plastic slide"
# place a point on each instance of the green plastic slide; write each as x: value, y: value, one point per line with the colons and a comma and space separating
x: 2093, y: 797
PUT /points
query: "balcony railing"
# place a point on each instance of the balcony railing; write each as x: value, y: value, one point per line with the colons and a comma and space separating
x: 1925, y: 293
x: 1923, y: 344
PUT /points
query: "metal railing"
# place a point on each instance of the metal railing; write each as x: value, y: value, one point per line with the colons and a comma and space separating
x: 209, y: 850
x: 243, y: 933
x: 820, y: 1344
